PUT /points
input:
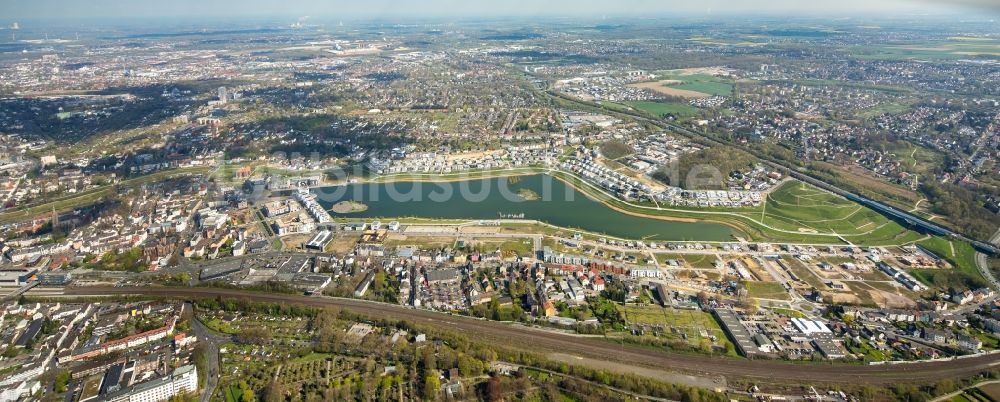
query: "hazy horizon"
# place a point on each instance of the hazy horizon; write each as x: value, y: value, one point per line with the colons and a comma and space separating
x: 120, y: 9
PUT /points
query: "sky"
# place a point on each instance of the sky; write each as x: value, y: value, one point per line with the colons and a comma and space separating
x: 41, y: 9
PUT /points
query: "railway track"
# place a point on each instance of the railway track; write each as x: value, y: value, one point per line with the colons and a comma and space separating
x: 542, y: 341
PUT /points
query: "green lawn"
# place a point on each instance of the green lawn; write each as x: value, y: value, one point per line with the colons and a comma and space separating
x: 767, y: 290
x: 959, y: 254
x: 788, y: 312
x: 888, y: 107
x: 521, y: 247
x: 536, y: 374
x: 960, y: 398
x: 799, y: 206
x: 708, y: 87
x: 232, y: 393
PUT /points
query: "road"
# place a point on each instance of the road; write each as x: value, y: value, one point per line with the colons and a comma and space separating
x: 212, y: 342
x: 526, y: 338
x: 983, y: 263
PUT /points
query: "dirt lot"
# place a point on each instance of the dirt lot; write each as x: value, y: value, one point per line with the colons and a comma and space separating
x: 663, y: 88
x: 890, y: 300
x: 479, y: 229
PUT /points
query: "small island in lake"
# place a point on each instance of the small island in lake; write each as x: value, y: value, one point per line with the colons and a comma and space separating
x: 348, y: 207
x: 527, y: 194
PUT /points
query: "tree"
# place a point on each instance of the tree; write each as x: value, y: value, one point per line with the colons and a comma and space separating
x: 431, y: 385
x: 62, y: 379
x: 469, y: 367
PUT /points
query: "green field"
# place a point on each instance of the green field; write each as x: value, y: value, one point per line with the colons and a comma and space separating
x: 950, y: 49
x: 704, y: 83
x: 788, y: 312
x: 662, y: 108
x: 960, y: 255
x: 804, y: 208
x: 767, y: 290
x: 914, y: 158
x: 885, y: 108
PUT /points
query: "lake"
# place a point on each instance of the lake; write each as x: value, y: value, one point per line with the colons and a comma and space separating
x: 537, y: 197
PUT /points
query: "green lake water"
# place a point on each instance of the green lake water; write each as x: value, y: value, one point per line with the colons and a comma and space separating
x: 558, y: 204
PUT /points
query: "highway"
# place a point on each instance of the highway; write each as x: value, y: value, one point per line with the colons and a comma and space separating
x: 543, y: 341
